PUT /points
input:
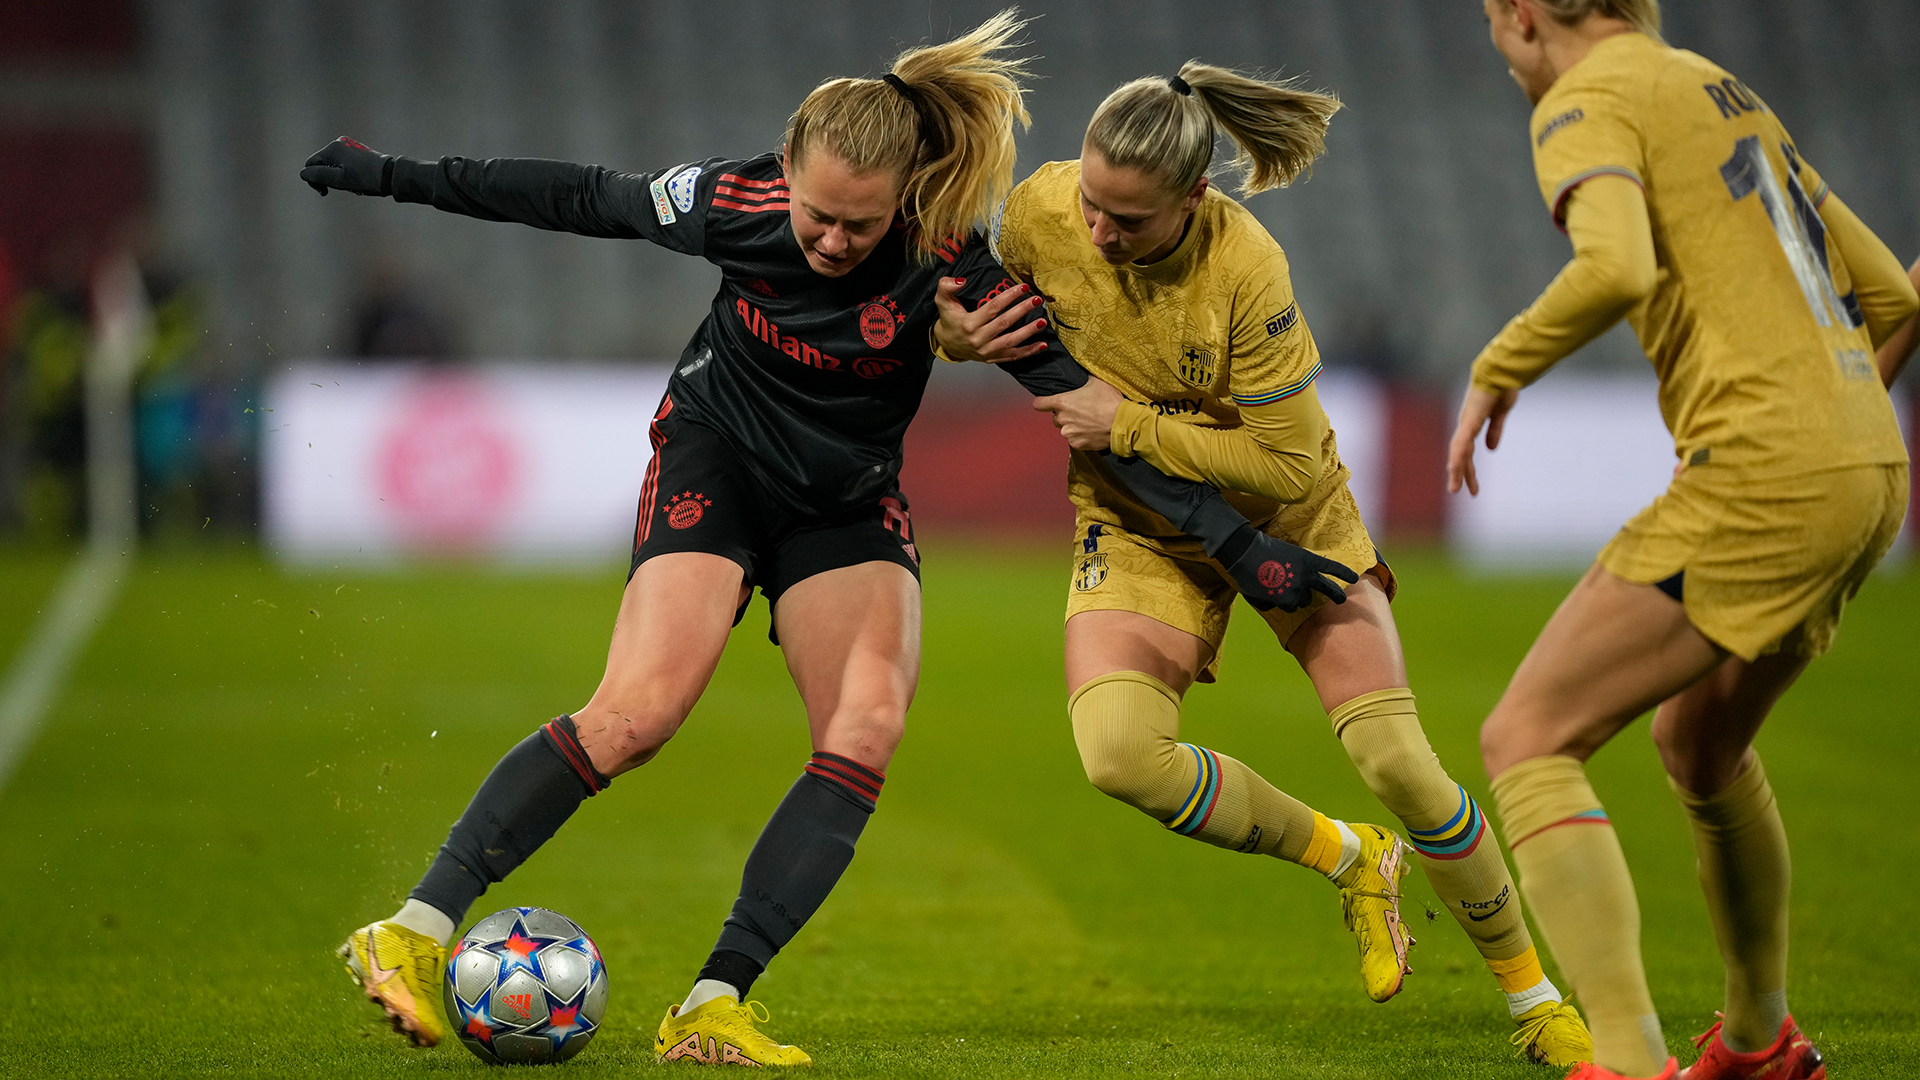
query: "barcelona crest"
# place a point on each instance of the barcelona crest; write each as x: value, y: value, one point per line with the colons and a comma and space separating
x: 1197, y: 367
x: 1089, y: 572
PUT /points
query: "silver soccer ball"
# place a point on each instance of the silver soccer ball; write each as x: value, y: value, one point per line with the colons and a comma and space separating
x: 525, y: 986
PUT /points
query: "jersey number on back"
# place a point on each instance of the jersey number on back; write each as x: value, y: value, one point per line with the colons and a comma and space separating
x: 1796, y: 224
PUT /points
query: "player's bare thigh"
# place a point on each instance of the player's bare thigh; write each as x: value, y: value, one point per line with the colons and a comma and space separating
x: 667, y: 639
x: 1103, y: 642
x: 852, y: 642
x: 1705, y: 731
x: 1353, y: 648
x: 1612, y: 651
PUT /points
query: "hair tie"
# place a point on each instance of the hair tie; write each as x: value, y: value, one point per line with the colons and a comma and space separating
x: 929, y: 131
x: 1180, y: 86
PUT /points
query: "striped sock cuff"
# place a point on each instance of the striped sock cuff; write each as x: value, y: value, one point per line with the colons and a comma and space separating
x: 1197, y: 807
x: 1456, y: 839
x: 1541, y: 794
x: 565, y: 741
x: 1595, y: 816
x: 851, y: 776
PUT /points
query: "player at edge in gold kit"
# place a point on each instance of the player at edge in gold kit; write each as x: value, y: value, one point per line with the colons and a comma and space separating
x: 1174, y: 294
x: 1760, y: 299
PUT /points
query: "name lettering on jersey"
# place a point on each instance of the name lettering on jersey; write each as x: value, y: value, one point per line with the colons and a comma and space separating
x: 768, y: 331
x: 878, y: 320
x: 1177, y: 406
x: 1733, y: 98
x: 662, y: 202
x: 757, y: 324
x: 1571, y: 116
x: 1196, y: 366
x: 1284, y: 321
x: 1856, y: 365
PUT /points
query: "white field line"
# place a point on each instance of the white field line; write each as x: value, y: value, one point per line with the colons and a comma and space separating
x: 82, y: 601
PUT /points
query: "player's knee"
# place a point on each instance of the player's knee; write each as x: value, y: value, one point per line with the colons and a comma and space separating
x: 1133, y: 767
x: 868, y: 733
x: 1123, y: 725
x: 626, y: 734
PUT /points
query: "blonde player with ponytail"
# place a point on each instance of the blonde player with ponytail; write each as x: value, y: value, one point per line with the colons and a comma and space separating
x: 776, y: 457
x: 1760, y: 299
x: 1176, y: 296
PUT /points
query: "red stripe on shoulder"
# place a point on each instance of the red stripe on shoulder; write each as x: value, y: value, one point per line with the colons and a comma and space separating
x: 755, y: 208
x: 754, y: 196
x: 736, y: 178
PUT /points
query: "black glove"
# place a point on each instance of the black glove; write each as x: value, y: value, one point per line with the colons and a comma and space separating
x: 349, y: 166
x: 1269, y: 572
x: 1273, y: 573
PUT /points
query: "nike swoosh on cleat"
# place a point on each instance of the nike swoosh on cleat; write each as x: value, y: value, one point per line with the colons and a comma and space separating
x: 378, y: 974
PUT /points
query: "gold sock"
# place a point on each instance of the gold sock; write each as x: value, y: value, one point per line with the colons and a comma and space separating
x: 1323, y: 850
x: 1576, y: 881
x: 1745, y: 872
x: 1381, y: 733
x: 1125, y: 725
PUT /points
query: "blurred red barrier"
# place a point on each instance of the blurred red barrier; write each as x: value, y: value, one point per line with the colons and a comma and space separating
x: 1419, y: 424
x: 986, y: 466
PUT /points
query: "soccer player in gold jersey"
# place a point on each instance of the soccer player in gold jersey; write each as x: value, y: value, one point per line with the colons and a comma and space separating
x: 1760, y: 299
x: 1174, y: 295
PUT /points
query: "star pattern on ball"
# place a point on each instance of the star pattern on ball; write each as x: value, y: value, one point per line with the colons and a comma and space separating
x: 475, y: 1020
x: 520, y: 951
x: 564, y: 1022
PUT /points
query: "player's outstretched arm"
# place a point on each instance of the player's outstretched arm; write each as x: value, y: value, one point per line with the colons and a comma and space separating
x: 991, y: 318
x: 557, y: 195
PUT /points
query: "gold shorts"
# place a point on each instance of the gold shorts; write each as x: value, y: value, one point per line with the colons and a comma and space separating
x: 1173, y: 581
x: 1769, y: 563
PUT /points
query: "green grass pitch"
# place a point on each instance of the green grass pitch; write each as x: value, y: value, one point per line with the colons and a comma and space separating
x: 247, y: 763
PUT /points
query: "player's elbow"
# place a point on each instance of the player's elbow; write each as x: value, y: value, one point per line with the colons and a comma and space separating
x: 1622, y: 281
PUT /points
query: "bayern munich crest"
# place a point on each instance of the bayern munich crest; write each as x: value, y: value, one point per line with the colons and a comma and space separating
x: 878, y: 321
x: 1275, y: 575
x: 685, y: 510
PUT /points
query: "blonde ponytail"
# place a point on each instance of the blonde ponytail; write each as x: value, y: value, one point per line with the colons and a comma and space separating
x: 1166, y: 127
x: 1643, y: 14
x: 942, y: 121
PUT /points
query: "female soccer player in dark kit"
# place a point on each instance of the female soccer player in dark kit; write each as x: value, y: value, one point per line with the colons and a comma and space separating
x: 1760, y: 299
x: 777, y: 451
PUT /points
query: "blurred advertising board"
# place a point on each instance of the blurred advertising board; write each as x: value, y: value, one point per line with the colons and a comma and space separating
x: 515, y: 462
x: 1580, y: 455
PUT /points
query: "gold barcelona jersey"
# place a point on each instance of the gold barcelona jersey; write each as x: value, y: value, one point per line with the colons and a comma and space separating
x: 1753, y: 326
x: 1193, y: 337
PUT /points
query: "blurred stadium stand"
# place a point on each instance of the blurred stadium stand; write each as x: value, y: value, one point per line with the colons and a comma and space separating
x: 1417, y: 236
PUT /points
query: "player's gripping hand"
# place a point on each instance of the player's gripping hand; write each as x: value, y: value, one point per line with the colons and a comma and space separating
x: 1273, y: 573
x: 349, y: 166
x: 995, y: 332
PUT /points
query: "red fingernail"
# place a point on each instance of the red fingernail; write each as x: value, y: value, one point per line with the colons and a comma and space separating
x: 959, y: 281
x: 1037, y: 301
x: 1042, y: 324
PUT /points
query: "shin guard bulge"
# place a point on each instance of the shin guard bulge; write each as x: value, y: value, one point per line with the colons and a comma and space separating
x: 520, y: 805
x: 1746, y: 873
x: 806, y: 846
x: 1125, y: 724
x: 1381, y: 733
x: 1575, y: 880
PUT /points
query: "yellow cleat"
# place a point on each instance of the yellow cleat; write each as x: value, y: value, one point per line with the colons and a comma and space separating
x: 1552, y: 1033
x: 722, y: 1032
x: 1370, y: 900
x: 401, y: 972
